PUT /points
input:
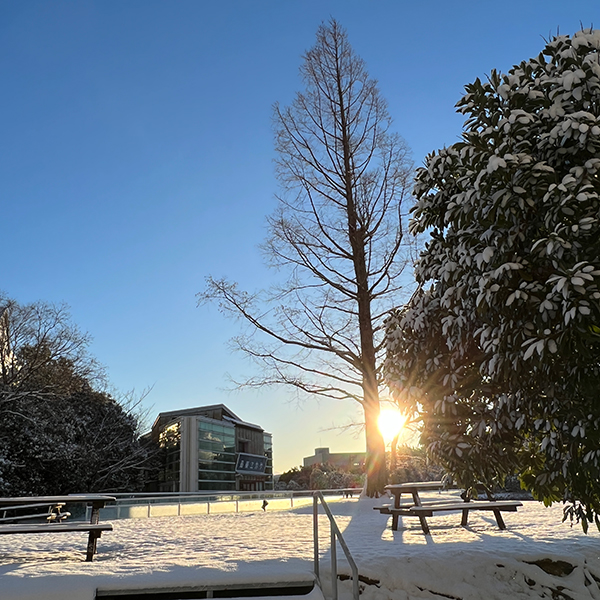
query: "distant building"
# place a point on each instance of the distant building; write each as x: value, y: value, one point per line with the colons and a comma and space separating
x: 211, y: 448
x: 344, y: 460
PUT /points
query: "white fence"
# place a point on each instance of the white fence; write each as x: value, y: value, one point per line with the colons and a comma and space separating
x: 140, y: 506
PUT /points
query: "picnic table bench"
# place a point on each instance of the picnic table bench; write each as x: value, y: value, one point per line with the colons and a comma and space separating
x: 54, y: 520
x: 428, y: 509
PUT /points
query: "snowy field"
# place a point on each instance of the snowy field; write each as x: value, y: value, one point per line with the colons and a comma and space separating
x: 457, y: 563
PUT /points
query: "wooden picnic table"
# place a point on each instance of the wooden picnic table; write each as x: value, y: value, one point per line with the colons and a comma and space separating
x: 55, y: 522
x: 428, y: 509
x: 413, y: 488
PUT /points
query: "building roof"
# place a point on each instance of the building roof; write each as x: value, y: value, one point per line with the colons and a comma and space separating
x: 200, y: 411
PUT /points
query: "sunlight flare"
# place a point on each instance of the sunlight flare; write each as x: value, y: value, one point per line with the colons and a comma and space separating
x: 390, y: 423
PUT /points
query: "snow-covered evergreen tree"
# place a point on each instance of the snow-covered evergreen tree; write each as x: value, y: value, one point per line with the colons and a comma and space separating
x: 499, y: 349
x: 60, y: 432
x: 61, y: 444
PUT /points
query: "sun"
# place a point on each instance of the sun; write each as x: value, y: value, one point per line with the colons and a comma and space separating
x: 390, y: 422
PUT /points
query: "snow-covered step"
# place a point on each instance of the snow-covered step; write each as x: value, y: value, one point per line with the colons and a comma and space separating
x: 300, y: 587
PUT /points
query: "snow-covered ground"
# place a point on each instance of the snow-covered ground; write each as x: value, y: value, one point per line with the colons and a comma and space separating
x: 454, y: 562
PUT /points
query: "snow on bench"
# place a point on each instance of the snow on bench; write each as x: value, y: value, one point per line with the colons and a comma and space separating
x: 429, y: 510
x: 55, y: 519
x: 95, y: 531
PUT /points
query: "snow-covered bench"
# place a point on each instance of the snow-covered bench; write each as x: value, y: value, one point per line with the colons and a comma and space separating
x: 429, y: 510
x: 94, y: 529
x: 12, y: 509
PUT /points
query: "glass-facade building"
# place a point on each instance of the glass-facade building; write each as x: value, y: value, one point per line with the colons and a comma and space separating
x: 216, y: 456
x: 211, y: 448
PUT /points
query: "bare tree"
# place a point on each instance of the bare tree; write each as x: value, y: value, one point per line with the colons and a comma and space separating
x: 337, y: 233
x: 34, y: 336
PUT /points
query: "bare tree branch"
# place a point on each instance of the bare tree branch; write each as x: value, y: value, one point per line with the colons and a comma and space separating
x: 338, y: 231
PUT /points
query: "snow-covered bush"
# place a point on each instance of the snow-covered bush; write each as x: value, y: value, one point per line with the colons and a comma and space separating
x: 499, y: 348
x: 320, y: 477
x: 60, y: 432
x: 410, y: 466
x: 62, y: 444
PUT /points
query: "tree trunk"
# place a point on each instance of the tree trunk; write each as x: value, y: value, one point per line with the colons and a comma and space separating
x: 375, y: 463
x: 376, y: 467
x: 394, y: 453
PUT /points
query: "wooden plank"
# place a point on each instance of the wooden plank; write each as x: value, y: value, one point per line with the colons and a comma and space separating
x: 25, y: 517
x: 429, y: 509
x: 74, y: 498
x: 404, y: 512
x: 34, y: 505
x: 415, y: 485
x: 441, y: 502
x: 54, y: 527
x: 387, y: 507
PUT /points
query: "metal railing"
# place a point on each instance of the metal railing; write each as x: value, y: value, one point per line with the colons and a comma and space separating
x: 148, y: 500
x: 148, y: 504
x: 336, y: 535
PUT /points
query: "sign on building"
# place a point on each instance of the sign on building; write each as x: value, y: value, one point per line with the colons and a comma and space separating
x: 250, y: 464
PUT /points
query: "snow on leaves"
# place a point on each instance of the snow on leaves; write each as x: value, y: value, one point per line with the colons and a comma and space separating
x: 509, y: 298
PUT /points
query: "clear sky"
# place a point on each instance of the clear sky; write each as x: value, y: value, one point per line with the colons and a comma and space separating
x: 136, y: 158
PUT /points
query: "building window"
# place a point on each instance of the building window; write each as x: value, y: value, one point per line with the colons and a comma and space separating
x: 216, y: 456
x: 221, y: 486
x: 170, y: 444
x: 268, y: 446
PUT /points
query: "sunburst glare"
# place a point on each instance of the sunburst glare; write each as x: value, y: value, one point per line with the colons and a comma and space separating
x: 390, y: 422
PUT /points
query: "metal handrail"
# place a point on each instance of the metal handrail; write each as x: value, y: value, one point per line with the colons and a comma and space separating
x: 128, y: 500
x: 335, y: 534
x: 125, y: 496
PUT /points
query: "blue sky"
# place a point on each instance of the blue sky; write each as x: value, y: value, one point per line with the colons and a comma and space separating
x: 136, y: 159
